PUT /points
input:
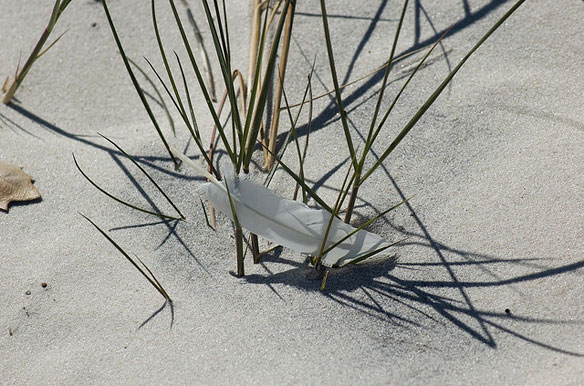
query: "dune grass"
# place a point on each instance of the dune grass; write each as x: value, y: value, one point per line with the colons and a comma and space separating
x: 247, y: 103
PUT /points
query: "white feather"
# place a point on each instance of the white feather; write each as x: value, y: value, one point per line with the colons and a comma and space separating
x: 286, y: 222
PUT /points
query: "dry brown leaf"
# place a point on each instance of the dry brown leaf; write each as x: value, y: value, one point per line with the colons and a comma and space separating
x: 15, y: 185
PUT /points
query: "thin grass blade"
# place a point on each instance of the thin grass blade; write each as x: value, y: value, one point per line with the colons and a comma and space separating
x: 438, y: 91
x: 135, y: 82
x: 146, y: 174
x: 120, y: 200
x: 152, y: 280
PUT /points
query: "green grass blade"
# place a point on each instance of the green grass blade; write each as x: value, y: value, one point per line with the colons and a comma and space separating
x: 135, y: 81
x: 370, y: 254
x: 158, y: 285
x: 166, y: 65
x: 332, y: 66
x: 384, y: 82
x: 438, y: 91
x: 158, y: 94
x: 393, y: 103
x: 195, y: 131
x: 366, y: 224
x: 146, y: 174
x: 194, y: 134
x: 201, y: 82
x: 206, y: 216
x: 223, y: 55
x: 336, y: 209
x: 154, y: 282
x: 308, y: 128
x: 293, y: 131
x: 120, y: 200
x: 282, y: 150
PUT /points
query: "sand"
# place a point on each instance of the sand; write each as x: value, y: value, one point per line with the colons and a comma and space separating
x: 487, y: 289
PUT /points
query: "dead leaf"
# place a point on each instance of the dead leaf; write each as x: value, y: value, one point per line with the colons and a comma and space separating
x: 15, y: 185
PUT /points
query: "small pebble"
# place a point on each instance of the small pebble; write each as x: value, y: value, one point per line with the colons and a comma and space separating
x: 27, y: 292
x: 507, y: 311
x: 44, y: 285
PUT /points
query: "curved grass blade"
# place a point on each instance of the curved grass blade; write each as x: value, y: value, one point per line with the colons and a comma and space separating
x: 164, y: 106
x: 120, y: 200
x: 194, y: 134
x: 135, y: 82
x: 152, y: 280
x: 145, y: 173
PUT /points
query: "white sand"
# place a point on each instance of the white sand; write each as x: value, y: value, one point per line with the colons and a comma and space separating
x: 496, y: 167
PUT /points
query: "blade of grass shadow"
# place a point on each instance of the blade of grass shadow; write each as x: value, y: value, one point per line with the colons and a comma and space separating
x: 372, y: 136
x: 380, y: 68
x: 384, y: 82
x: 120, y: 200
x: 135, y: 82
x: 393, y: 103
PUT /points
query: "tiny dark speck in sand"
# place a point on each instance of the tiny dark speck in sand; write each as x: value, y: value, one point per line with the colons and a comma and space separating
x: 507, y: 311
x: 44, y: 285
x: 27, y: 293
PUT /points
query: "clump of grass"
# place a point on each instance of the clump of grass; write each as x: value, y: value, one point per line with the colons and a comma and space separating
x: 244, y: 128
x: 37, y: 52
